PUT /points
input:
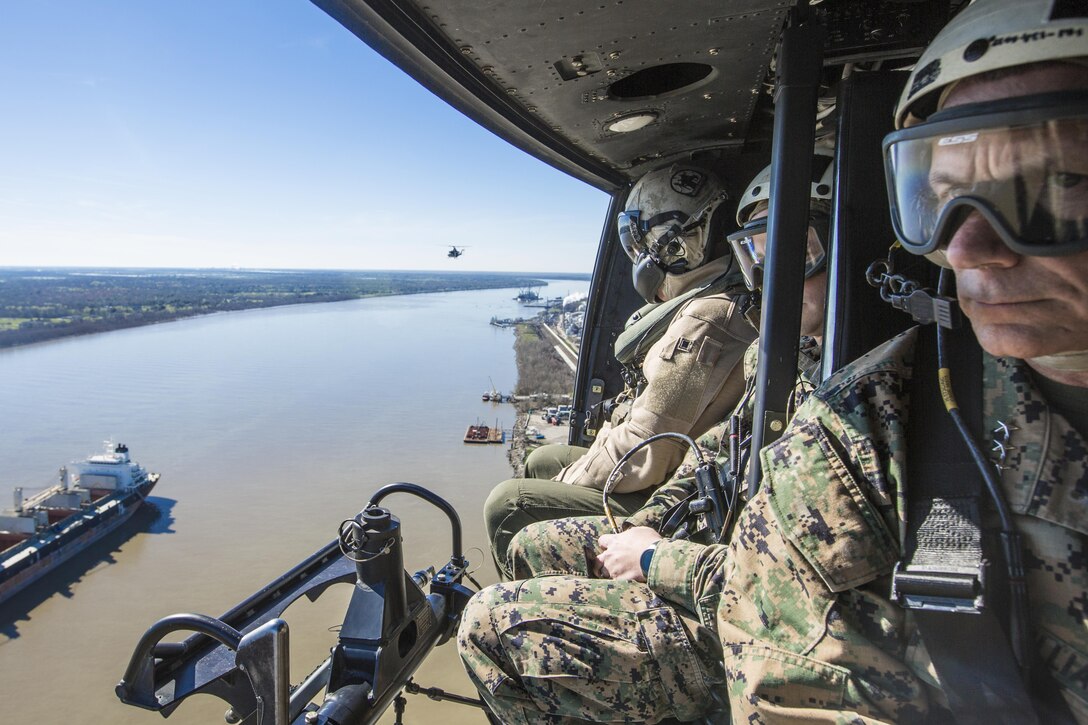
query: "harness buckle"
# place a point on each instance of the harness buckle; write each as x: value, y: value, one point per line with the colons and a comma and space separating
x: 933, y: 589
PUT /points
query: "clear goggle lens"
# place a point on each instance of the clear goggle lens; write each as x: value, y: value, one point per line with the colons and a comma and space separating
x: 1021, y: 164
x: 750, y: 247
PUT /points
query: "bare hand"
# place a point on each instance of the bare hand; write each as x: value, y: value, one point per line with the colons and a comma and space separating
x: 620, y: 553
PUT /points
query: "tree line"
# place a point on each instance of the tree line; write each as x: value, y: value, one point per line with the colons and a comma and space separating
x: 42, y: 304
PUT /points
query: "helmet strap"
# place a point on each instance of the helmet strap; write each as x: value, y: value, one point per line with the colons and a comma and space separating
x: 1071, y: 362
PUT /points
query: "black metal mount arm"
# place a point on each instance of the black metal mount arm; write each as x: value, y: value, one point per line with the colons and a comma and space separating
x: 389, y: 628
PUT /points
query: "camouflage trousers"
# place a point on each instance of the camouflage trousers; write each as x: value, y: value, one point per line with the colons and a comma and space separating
x: 562, y: 546
x: 559, y: 649
x: 519, y: 502
x: 569, y: 648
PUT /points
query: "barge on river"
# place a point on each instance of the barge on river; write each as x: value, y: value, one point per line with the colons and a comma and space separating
x: 93, y: 498
x: 484, y: 434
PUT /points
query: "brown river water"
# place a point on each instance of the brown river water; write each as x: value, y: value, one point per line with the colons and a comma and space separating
x: 269, y: 427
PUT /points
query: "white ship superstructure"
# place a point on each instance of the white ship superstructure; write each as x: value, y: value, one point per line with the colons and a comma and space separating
x: 93, y: 497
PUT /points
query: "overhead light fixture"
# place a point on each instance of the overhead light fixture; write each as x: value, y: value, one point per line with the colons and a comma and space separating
x: 630, y: 122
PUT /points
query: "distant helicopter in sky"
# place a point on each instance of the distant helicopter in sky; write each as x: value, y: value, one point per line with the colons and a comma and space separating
x: 454, y: 252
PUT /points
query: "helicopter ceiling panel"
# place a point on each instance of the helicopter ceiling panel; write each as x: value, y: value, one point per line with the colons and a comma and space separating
x: 607, y: 90
x: 603, y: 90
x: 604, y: 81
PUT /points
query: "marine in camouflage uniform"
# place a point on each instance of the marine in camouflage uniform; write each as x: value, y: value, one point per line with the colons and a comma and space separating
x: 556, y: 647
x: 807, y: 626
x: 804, y: 614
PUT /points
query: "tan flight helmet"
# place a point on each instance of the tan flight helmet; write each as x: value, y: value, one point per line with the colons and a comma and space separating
x: 758, y: 195
x: 665, y: 225
x: 989, y: 35
x: 823, y: 182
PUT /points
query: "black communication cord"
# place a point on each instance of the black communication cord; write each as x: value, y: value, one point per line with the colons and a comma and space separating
x: 1019, y: 630
x: 716, y: 501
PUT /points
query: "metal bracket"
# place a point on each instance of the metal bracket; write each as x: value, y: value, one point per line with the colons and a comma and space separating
x: 941, y: 591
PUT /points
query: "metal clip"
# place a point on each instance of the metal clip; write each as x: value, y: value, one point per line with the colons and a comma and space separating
x: 925, y: 308
x: 942, y: 591
x: 1002, y: 435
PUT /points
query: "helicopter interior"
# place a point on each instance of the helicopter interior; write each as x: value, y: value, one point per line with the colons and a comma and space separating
x: 606, y: 91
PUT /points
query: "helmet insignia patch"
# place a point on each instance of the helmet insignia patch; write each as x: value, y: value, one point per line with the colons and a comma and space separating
x: 926, y: 76
x: 687, y: 182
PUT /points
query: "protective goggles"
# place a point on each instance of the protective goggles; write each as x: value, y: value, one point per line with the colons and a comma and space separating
x: 664, y: 237
x: 1021, y: 163
x: 750, y: 247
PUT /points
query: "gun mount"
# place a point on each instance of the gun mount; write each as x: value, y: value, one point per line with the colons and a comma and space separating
x: 242, y: 657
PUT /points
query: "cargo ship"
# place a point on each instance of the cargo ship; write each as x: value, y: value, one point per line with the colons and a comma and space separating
x: 93, y: 498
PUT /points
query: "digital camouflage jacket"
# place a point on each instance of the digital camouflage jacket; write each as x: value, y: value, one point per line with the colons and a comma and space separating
x: 804, y: 616
x: 683, y: 572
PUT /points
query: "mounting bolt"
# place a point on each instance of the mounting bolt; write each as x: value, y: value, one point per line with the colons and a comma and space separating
x: 707, y: 96
x: 466, y: 50
x: 231, y: 716
x: 714, y: 51
x: 614, y: 55
x: 776, y: 425
x: 311, y: 718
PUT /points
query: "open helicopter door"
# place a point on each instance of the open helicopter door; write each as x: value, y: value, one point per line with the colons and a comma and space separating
x: 611, y: 298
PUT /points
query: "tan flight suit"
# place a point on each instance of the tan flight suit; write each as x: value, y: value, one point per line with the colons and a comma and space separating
x: 694, y: 377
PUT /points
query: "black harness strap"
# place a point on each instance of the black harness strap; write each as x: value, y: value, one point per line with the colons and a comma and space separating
x: 949, y: 577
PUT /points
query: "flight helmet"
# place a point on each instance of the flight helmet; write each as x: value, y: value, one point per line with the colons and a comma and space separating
x: 989, y: 35
x: 665, y: 225
x: 749, y: 242
x: 933, y: 164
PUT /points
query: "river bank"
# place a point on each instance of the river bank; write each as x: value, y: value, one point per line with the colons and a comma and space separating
x: 37, y: 305
x: 543, y: 355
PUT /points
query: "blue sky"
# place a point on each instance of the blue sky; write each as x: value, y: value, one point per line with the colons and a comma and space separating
x: 254, y: 133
